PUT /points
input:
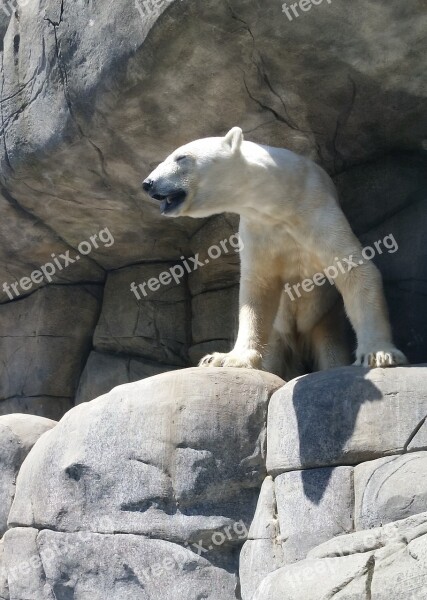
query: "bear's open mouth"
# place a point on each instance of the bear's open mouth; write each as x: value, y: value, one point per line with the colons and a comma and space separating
x: 171, y: 201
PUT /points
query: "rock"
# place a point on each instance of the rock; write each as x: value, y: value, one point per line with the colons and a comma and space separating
x: 265, y: 525
x: 262, y: 552
x: 51, y: 407
x: 388, y: 563
x: 215, y: 316
x: 295, y: 513
x: 18, y: 434
x: 127, y: 480
x: 104, y: 372
x: 313, y: 506
x: 98, y: 135
x: 313, y: 579
x: 393, y: 535
x: 56, y: 118
x: 346, y: 416
x: 5, y: 15
x: 154, y: 325
x: 390, y: 489
x: 44, y: 341
x: 178, y: 456
x: 223, y: 271
x: 258, y: 558
x: 26, y: 254
x: 47, y: 564
x: 4, y: 586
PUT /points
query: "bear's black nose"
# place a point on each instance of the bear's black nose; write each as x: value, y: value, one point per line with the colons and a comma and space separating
x: 147, y: 185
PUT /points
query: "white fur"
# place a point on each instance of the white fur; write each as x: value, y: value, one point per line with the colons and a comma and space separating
x: 292, y: 227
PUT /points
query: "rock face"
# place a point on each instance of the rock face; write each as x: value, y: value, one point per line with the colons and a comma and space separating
x: 44, y: 342
x: 366, y: 414
x: 323, y: 485
x: 178, y: 457
x: 388, y: 563
x: 389, y: 489
x: 110, y: 566
x: 160, y: 489
x: 93, y: 96
x: 151, y: 324
x: 18, y: 434
x: 103, y: 372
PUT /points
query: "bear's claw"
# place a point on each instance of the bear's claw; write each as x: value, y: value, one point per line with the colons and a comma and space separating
x: 381, y: 358
x: 250, y: 359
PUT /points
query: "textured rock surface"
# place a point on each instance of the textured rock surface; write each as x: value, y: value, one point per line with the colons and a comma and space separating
x: 389, y: 563
x: 179, y: 457
x: 357, y: 414
x: 389, y: 489
x: 346, y: 416
x: 46, y: 565
x: 306, y: 515
x: 4, y: 586
x: 93, y: 96
x: 171, y: 456
x: 103, y: 372
x: 54, y: 407
x: 215, y: 316
x: 18, y: 434
x: 262, y: 552
x: 177, y: 460
x: 295, y: 513
x: 153, y: 325
x: 44, y: 341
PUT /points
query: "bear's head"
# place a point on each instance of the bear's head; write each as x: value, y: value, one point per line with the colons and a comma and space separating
x: 197, y: 179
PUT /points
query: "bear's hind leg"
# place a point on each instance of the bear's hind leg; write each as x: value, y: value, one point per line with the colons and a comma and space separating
x: 330, y: 340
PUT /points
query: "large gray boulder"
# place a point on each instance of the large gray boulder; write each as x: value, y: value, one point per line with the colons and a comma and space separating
x: 18, y: 434
x: 179, y: 457
x: 347, y: 416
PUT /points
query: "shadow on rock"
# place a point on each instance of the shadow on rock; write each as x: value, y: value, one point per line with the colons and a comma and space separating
x: 326, y: 419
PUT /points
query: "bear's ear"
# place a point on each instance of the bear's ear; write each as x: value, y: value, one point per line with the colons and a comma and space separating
x: 234, y: 139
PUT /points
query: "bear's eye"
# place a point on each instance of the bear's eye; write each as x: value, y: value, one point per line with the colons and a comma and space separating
x: 181, y: 157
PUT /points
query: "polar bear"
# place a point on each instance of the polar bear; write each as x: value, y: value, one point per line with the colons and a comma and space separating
x: 292, y: 227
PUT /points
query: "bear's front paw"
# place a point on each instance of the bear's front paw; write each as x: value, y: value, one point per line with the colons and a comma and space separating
x: 389, y: 357
x: 249, y: 359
